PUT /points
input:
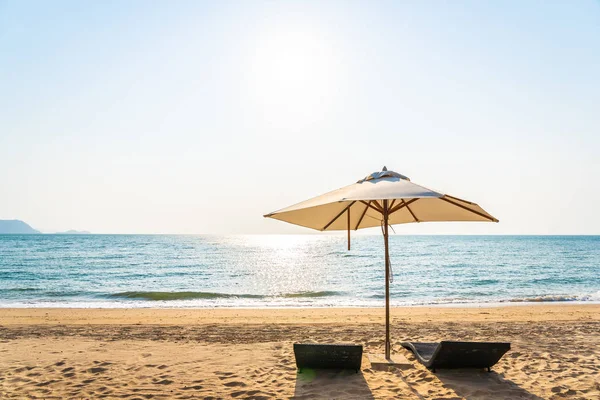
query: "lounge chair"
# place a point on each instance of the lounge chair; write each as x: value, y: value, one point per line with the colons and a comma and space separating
x: 338, y: 356
x: 457, y: 354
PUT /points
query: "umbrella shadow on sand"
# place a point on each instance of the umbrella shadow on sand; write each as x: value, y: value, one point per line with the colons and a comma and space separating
x: 471, y: 384
x: 328, y: 384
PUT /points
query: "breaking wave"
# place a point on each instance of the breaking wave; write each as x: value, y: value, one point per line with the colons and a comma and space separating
x: 162, y: 296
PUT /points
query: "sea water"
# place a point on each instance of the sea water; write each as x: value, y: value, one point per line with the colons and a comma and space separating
x: 294, y: 270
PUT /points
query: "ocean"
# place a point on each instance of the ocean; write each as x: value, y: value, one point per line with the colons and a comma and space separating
x: 196, y: 271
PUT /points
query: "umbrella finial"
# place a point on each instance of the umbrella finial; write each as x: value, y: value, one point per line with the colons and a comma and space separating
x: 384, y: 168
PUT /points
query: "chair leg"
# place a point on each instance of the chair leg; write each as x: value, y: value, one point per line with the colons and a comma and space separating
x: 489, y: 369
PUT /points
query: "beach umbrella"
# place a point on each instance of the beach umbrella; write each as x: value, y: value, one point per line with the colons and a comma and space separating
x: 380, y: 199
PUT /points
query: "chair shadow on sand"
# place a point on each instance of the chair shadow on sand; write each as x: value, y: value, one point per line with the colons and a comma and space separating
x: 469, y: 383
x: 327, y: 384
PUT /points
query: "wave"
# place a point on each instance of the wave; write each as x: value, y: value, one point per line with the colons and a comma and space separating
x: 345, y: 254
x: 482, y: 282
x: 356, y: 256
x: 44, y: 293
x: 180, y: 295
x: 324, y: 293
x: 162, y: 296
x: 553, y: 298
x: 26, y: 289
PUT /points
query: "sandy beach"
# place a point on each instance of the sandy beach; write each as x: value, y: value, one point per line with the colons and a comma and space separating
x: 243, y: 353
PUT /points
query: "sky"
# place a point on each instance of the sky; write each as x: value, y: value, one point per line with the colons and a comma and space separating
x: 201, y: 116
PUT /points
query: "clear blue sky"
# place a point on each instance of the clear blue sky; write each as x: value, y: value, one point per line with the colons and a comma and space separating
x: 199, y: 117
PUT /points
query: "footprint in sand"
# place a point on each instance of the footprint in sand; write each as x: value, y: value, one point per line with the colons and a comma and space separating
x: 195, y: 387
x: 18, y: 370
x: 252, y: 394
x: 96, y: 370
x: 235, y: 384
x: 223, y: 375
x: 46, y: 383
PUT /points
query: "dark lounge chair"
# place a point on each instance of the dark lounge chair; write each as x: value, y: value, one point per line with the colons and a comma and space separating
x: 331, y: 356
x: 457, y: 354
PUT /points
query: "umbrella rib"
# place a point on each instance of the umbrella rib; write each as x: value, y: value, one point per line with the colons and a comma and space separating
x: 403, y: 204
x: 456, y: 198
x: 375, y: 218
x: 371, y: 205
x: 468, y: 209
x: 339, y: 215
x: 362, y: 215
x: 391, y: 204
x: 410, y: 211
x: 378, y: 206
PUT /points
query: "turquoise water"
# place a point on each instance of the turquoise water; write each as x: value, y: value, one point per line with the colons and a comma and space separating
x: 293, y: 271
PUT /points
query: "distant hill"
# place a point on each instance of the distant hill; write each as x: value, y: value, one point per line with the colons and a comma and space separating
x: 74, y: 232
x: 15, y: 226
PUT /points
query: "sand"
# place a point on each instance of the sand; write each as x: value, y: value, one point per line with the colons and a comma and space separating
x: 226, y: 353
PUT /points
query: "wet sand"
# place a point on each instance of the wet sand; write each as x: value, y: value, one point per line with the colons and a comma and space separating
x: 227, y: 353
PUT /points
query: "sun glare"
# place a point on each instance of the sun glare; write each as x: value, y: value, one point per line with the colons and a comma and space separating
x: 294, y: 71
x: 292, y: 60
x: 281, y: 242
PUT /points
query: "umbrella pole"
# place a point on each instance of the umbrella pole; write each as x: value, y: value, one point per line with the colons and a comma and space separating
x: 387, y: 279
x: 348, y: 228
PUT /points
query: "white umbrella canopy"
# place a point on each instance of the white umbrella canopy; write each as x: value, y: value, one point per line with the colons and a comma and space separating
x: 381, y: 199
x: 363, y: 201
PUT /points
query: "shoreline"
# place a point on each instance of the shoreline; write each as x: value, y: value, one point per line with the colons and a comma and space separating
x: 304, y: 315
x: 177, y: 305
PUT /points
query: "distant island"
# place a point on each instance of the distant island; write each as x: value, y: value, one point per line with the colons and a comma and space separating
x: 15, y: 226
x: 74, y: 232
